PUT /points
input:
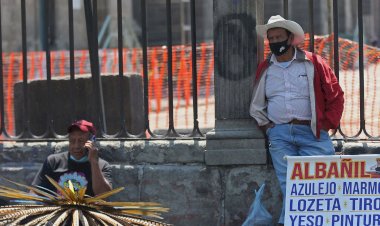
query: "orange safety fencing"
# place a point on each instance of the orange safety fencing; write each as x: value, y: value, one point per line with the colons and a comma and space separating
x: 132, y: 63
x: 182, y: 80
x: 349, y: 80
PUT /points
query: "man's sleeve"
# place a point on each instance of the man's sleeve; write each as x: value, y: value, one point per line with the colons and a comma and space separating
x: 107, y: 172
x: 258, y: 106
x: 40, y: 179
x: 333, y: 96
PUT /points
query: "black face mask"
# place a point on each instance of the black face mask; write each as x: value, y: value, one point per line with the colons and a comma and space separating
x: 279, y: 48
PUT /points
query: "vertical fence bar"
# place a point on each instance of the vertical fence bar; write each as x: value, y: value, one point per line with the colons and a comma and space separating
x: 361, y: 66
x: 145, y: 66
x: 91, y: 25
x: 72, y: 61
x: 26, y: 129
x: 196, y: 130
x: 121, y: 69
x: 48, y: 66
x: 361, y: 70
x: 2, y: 111
x: 260, y: 21
x: 97, y: 76
x: 171, y: 130
x: 336, y: 38
x: 90, y: 34
x: 311, y: 25
x: 336, y: 46
x: 286, y: 9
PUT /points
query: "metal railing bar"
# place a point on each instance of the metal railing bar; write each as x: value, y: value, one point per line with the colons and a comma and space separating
x: 90, y: 8
x: 361, y: 66
x: 361, y: 69
x: 2, y: 117
x: 123, y: 130
x: 47, y: 33
x: 90, y: 35
x: 97, y: 76
x: 311, y: 25
x: 72, y: 60
x: 26, y: 129
x: 336, y: 48
x: 2, y: 111
x: 286, y: 9
x: 171, y: 131
x: 361, y: 74
x: 196, y: 131
x: 144, y: 43
x: 109, y: 139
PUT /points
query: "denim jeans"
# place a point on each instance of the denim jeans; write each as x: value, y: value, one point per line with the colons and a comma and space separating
x: 294, y: 140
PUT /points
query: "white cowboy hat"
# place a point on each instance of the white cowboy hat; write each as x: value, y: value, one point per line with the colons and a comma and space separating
x: 278, y: 21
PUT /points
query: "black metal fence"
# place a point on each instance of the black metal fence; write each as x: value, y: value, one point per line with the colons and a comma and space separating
x: 339, y: 133
x: 90, y: 10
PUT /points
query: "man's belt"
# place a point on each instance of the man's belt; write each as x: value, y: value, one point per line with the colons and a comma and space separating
x: 300, y: 122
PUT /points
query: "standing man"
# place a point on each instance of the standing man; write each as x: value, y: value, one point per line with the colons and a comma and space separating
x: 80, y: 164
x: 296, y: 98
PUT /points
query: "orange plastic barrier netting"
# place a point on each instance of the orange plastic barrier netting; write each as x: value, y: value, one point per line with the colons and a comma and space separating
x: 132, y: 63
x: 182, y: 80
x: 349, y: 79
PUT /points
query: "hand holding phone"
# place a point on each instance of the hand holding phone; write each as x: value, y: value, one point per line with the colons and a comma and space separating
x: 92, y: 138
x: 91, y: 150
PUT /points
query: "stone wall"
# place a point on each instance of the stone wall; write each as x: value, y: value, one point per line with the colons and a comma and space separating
x: 172, y: 172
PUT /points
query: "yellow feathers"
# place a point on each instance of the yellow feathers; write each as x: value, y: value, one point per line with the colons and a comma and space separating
x: 69, y: 206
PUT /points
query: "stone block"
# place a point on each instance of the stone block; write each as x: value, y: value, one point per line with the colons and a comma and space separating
x: 127, y: 176
x: 168, y: 151
x: 25, y: 151
x: 193, y: 193
x: 235, y: 157
x: 236, y: 143
x: 19, y: 172
x: 240, y: 183
x: 357, y: 148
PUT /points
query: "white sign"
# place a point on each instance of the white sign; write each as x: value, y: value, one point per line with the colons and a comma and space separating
x: 338, y: 190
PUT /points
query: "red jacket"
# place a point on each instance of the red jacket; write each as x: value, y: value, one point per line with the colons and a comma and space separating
x: 328, y: 94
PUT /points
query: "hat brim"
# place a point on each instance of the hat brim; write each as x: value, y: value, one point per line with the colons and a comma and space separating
x: 293, y: 27
x: 83, y: 126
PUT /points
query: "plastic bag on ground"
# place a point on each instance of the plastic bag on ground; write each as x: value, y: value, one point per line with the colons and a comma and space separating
x: 258, y: 215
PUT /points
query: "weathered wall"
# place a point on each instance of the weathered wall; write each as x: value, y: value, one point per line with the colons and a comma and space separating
x: 170, y: 172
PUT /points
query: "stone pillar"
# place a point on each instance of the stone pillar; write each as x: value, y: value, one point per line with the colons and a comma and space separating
x: 236, y: 138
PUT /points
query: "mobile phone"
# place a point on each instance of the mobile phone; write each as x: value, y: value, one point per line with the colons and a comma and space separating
x: 92, y: 138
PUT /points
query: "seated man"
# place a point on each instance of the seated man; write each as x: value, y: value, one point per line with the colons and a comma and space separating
x: 80, y: 164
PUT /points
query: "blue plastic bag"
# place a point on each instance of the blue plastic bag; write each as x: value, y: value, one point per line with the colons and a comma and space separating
x: 258, y: 215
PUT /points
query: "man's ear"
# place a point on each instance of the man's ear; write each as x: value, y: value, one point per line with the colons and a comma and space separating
x: 291, y: 38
